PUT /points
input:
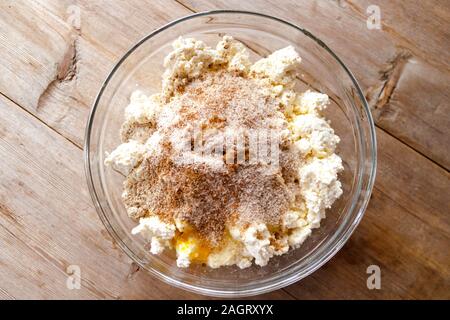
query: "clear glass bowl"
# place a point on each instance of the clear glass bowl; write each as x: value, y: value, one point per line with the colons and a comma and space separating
x: 322, y: 70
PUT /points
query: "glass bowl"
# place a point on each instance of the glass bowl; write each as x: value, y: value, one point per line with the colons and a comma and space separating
x: 141, y: 68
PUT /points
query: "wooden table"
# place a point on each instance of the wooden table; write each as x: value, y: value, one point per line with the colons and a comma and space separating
x: 52, y: 65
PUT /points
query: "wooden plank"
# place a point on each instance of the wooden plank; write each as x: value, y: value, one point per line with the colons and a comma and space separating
x: 414, y: 107
x: 40, y: 86
x: 422, y: 26
x: 47, y: 222
x: 412, y: 103
x: 113, y: 26
x: 374, y: 55
x: 57, y: 69
x: 4, y: 295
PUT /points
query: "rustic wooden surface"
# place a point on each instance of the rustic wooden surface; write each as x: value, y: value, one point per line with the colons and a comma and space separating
x: 51, y: 68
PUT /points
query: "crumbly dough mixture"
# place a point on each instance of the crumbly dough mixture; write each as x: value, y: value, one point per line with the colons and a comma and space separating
x: 193, y: 178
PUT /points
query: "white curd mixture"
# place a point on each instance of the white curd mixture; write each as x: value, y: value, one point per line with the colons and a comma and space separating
x: 210, y: 210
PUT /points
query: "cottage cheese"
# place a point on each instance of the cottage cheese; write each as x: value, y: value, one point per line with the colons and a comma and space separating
x: 126, y: 156
x: 142, y: 109
x: 234, y: 253
x: 191, y: 58
x: 280, y: 67
x: 256, y: 241
x: 156, y: 231
x: 320, y: 186
x: 309, y: 132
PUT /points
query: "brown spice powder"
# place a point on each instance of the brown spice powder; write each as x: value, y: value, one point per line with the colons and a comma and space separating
x: 201, y: 194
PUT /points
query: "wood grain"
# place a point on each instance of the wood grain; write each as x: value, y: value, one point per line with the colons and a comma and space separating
x: 35, y: 65
x: 420, y: 26
x: 51, y: 70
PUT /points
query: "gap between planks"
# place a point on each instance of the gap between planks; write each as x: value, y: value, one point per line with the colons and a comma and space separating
x: 415, y: 150
x: 40, y: 120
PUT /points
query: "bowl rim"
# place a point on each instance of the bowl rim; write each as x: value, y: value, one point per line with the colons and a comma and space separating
x: 269, y: 287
